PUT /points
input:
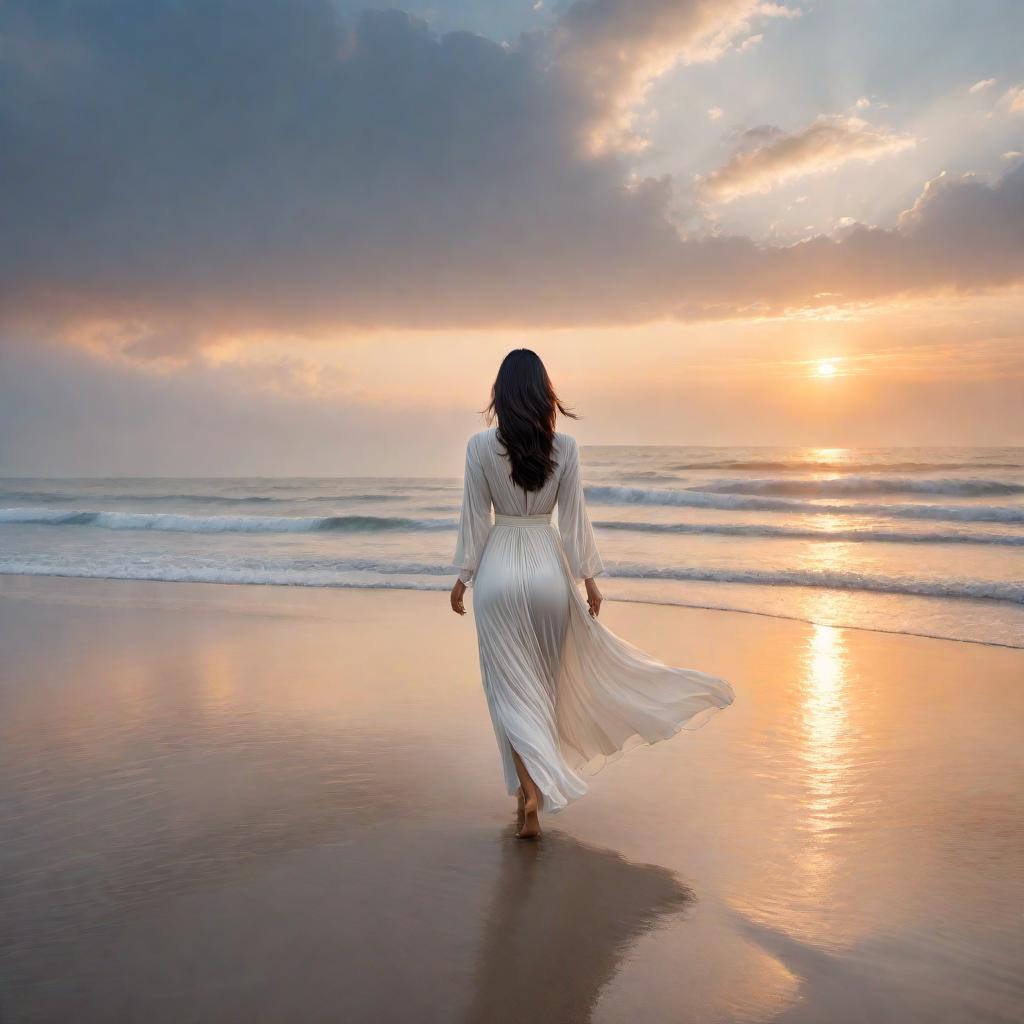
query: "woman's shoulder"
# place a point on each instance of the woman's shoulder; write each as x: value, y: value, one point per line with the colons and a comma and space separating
x: 481, y: 438
x: 566, y: 452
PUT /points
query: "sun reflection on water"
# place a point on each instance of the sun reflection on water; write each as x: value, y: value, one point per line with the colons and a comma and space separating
x: 830, y: 522
x: 836, y: 455
x: 825, y: 756
x: 825, y: 721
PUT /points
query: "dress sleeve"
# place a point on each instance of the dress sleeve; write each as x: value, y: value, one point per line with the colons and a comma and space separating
x: 475, y: 520
x: 573, y: 521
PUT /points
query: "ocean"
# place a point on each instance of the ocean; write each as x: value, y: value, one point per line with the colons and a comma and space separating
x: 926, y: 541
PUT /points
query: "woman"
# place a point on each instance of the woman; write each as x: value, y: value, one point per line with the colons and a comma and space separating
x: 565, y: 694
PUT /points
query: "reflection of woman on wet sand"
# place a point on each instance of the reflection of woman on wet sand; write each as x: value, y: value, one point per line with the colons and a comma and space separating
x: 565, y: 693
x: 562, y: 916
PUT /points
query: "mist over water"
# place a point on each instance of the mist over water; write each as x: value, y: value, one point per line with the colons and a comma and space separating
x: 926, y: 541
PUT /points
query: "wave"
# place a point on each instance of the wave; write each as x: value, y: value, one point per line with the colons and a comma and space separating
x: 797, y: 533
x: 225, y: 575
x: 325, y: 573
x: 849, y: 485
x: 831, y: 580
x: 65, y: 497
x: 180, y: 523
x: 842, y: 466
x: 727, y: 502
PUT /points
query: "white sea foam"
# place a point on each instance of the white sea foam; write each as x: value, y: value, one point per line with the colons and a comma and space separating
x: 704, y: 499
x: 832, y: 580
x: 843, y: 466
x: 140, y: 497
x: 861, y: 535
x: 183, y: 523
x: 338, y: 573
x: 279, y: 577
x: 169, y: 522
x: 965, y: 487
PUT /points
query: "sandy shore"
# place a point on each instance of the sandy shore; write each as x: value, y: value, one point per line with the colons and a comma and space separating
x: 258, y: 804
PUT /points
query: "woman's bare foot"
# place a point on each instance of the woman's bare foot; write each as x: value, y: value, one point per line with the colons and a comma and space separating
x: 530, y: 828
x: 520, y: 807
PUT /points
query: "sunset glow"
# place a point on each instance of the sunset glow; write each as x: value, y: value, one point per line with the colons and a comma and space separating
x: 610, y: 185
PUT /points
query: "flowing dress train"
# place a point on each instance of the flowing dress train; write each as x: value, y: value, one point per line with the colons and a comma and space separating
x: 563, y: 691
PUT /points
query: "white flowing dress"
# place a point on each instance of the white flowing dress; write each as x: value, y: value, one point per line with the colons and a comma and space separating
x: 563, y: 691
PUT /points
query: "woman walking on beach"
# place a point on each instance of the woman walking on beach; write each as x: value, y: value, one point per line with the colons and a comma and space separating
x: 566, y: 695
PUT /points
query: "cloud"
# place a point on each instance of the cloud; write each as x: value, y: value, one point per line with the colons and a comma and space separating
x: 985, y: 83
x: 715, y: 113
x: 1014, y: 99
x: 613, y: 49
x: 176, y: 173
x: 225, y: 162
x: 961, y: 234
x: 768, y: 156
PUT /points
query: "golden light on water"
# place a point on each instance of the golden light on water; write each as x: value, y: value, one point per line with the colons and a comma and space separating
x: 824, y: 714
x: 834, y: 455
x: 825, y: 757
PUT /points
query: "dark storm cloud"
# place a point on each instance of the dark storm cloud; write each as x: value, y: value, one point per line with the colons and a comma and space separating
x: 265, y: 163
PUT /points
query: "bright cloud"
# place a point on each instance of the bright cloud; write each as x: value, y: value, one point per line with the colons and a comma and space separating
x: 985, y: 83
x: 768, y: 157
x: 1014, y: 99
x: 613, y: 49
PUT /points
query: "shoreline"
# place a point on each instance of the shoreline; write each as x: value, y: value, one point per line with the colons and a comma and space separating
x: 445, y: 587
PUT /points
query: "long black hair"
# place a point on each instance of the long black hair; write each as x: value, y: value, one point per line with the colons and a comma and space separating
x: 526, y: 405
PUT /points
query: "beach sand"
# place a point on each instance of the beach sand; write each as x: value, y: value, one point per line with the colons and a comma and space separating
x: 245, y: 804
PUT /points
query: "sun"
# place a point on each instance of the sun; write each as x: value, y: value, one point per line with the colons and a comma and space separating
x: 826, y: 368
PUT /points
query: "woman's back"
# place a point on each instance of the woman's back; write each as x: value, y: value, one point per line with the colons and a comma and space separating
x: 486, y: 451
x: 488, y: 484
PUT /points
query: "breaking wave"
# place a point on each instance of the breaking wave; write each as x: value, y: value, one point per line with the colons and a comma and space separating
x: 731, y: 502
x: 327, y: 573
x: 798, y: 533
x: 831, y: 579
x: 824, y: 465
x: 969, y: 487
x: 169, y: 522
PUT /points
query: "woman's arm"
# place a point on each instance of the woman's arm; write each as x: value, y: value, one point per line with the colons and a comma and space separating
x: 575, y: 527
x: 474, y: 525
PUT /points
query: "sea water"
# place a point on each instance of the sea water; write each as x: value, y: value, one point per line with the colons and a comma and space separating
x: 917, y: 540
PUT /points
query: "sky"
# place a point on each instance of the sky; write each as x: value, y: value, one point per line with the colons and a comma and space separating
x: 260, y: 237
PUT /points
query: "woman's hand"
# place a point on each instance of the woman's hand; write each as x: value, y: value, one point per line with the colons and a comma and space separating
x: 457, y: 594
x: 594, y: 597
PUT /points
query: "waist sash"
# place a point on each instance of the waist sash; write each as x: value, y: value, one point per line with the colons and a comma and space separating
x: 531, y: 521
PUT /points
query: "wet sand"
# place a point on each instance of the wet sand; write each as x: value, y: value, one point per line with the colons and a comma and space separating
x: 259, y: 804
